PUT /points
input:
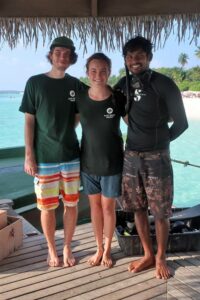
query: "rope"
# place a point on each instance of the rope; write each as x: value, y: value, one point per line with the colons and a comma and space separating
x: 185, y: 163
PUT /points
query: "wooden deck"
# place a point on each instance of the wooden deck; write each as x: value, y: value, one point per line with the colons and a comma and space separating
x: 25, y: 275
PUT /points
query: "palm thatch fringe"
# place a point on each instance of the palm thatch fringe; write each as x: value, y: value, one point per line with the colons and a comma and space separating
x: 108, y: 32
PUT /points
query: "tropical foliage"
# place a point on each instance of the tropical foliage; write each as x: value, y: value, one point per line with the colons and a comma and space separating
x: 197, y: 52
x: 183, y: 59
x: 187, y: 80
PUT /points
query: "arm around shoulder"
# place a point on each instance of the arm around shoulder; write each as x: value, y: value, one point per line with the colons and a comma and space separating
x: 125, y: 118
x: 77, y: 119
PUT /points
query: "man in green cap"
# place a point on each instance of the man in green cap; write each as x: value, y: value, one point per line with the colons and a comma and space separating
x: 51, y: 144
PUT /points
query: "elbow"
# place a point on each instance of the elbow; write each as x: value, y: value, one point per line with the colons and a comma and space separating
x: 175, y: 132
x: 186, y: 125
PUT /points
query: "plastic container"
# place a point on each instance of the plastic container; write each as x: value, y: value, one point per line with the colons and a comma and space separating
x: 177, y: 242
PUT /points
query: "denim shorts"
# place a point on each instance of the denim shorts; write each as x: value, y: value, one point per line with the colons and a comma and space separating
x: 108, y: 186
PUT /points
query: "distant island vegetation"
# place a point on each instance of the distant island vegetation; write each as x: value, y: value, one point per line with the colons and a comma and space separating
x: 10, y: 92
x: 186, y: 80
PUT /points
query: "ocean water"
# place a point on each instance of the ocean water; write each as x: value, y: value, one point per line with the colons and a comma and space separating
x: 185, y: 148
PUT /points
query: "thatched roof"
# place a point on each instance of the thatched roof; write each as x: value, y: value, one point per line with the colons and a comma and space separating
x: 104, y: 22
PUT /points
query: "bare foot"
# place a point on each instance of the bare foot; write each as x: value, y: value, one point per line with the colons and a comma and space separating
x: 141, y: 264
x: 162, y: 270
x: 52, y: 259
x: 68, y: 258
x: 107, y: 260
x: 96, y: 258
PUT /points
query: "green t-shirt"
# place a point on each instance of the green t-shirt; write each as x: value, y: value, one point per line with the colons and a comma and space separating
x: 102, y: 143
x: 52, y: 101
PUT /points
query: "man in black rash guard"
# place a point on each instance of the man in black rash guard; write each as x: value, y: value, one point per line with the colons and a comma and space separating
x: 152, y: 101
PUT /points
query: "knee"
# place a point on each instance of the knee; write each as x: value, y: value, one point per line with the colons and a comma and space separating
x: 45, y: 212
x: 70, y: 209
x: 140, y: 213
x: 162, y: 222
x: 108, y: 209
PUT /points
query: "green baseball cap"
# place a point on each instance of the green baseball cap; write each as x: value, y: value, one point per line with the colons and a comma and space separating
x: 62, y: 41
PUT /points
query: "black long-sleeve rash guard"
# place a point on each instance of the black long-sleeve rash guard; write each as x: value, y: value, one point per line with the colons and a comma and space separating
x: 152, y: 107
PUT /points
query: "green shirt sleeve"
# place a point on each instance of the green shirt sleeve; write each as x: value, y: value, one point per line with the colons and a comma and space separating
x: 28, y: 100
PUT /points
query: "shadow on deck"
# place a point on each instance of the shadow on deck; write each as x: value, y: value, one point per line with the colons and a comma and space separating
x: 25, y: 275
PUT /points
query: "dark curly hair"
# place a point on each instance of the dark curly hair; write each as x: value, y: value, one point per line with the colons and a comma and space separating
x: 136, y: 43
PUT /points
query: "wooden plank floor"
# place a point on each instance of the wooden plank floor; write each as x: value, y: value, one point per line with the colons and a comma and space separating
x: 25, y: 275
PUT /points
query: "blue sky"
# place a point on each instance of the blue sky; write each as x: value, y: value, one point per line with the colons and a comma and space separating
x: 19, y: 64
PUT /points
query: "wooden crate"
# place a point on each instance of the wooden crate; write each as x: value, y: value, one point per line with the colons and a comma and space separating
x: 11, y: 236
x: 3, y: 218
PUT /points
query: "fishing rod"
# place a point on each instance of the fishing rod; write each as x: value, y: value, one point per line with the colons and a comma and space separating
x: 185, y: 163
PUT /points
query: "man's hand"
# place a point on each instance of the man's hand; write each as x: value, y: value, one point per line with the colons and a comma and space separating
x: 30, y: 166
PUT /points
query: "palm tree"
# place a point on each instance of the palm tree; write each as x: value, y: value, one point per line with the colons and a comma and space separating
x: 183, y: 59
x: 197, y: 52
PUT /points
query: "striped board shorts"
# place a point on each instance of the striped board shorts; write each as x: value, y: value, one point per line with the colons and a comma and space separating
x: 57, y: 180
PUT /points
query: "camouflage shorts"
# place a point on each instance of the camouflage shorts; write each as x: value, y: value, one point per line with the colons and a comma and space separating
x: 148, y: 182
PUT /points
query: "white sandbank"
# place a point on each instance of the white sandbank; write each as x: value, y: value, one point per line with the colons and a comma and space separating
x: 192, y: 107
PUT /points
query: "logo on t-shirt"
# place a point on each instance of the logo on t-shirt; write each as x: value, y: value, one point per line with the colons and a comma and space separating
x: 109, y: 110
x: 71, y: 96
x: 138, y: 94
x: 109, y: 114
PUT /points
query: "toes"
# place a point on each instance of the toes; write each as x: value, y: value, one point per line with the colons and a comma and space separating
x: 95, y: 260
x: 66, y: 265
x: 163, y: 272
x: 72, y: 263
x: 131, y: 267
x: 95, y: 263
x: 107, y: 262
x: 69, y: 262
x: 53, y: 263
x: 158, y: 276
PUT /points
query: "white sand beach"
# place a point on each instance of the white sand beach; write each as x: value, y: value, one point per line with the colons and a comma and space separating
x: 192, y: 107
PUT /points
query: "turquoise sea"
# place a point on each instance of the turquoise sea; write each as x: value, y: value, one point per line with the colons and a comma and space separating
x: 185, y: 148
